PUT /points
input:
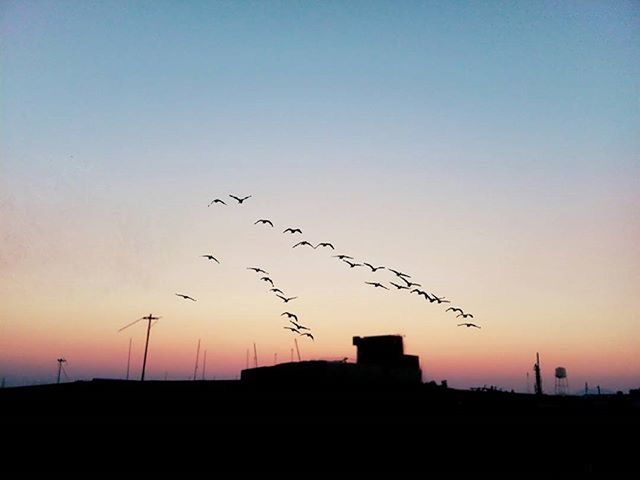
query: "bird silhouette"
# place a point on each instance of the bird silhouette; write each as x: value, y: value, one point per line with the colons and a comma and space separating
x: 211, y: 257
x: 186, y: 297
x: 324, y: 244
x: 377, y: 285
x: 439, y: 299
x: 399, y: 274
x: 464, y: 315
x: 305, y: 334
x: 410, y: 284
x: 267, y: 279
x: 276, y: 290
x: 304, y: 242
x: 263, y: 220
x: 292, y: 230
x: 217, y: 200
x: 399, y: 287
x: 351, y: 264
x: 421, y: 292
x: 298, y: 326
x: 292, y: 329
x: 373, y: 269
x: 286, y: 299
x: 257, y: 270
x: 240, y: 200
x: 342, y: 257
x: 454, y: 309
x: 290, y: 315
x: 468, y: 325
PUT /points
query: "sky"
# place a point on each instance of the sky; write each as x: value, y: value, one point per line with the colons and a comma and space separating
x: 490, y: 150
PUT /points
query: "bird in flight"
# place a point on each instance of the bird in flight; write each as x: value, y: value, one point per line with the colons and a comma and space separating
x: 468, y: 325
x: 240, y: 200
x: 276, y: 290
x: 410, y: 284
x: 374, y: 269
x: 377, y: 285
x: 464, y: 315
x: 257, y: 270
x: 421, y: 292
x: 267, y: 279
x: 304, y: 242
x: 454, y: 309
x: 290, y: 315
x: 439, y: 299
x: 305, y: 334
x: 324, y: 244
x: 286, y: 299
x: 186, y: 297
x: 211, y: 257
x: 298, y: 326
x: 217, y: 200
x: 342, y: 257
x: 292, y: 329
x: 292, y: 230
x: 351, y: 264
x: 399, y: 287
x: 264, y: 220
x: 399, y: 274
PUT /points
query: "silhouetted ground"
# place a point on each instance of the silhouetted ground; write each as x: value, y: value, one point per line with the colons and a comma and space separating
x: 228, y: 425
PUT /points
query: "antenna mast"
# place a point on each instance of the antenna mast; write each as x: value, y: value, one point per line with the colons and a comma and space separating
x: 204, y: 363
x: 295, y: 340
x: 255, y: 355
x: 195, y: 370
x: 60, y: 361
x: 536, y: 370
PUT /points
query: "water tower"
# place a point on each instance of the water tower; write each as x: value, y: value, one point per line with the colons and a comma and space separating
x: 562, y: 382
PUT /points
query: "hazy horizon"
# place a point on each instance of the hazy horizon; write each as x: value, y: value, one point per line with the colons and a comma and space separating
x: 489, y: 150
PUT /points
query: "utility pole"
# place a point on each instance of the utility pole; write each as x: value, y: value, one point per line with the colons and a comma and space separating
x: 195, y: 370
x: 255, y: 355
x: 536, y: 370
x: 129, y: 359
x: 204, y: 363
x: 60, y: 361
x: 295, y: 340
x: 149, y: 318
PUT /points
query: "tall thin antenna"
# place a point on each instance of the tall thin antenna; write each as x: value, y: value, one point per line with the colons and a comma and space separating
x: 195, y: 369
x: 149, y: 318
x: 60, y: 361
x: 536, y: 370
x: 295, y: 340
x: 204, y: 364
x: 129, y: 359
x: 255, y: 355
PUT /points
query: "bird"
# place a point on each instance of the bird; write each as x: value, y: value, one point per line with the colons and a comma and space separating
x: 292, y: 230
x: 439, y: 300
x: 421, y: 292
x: 351, y: 264
x: 400, y: 274
x: 286, y: 299
x: 399, y: 287
x: 468, y: 325
x: 263, y: 220
x: 325, y: 244
x: 292, y: 329
x: 217, y: 200
x: 299, y: 327
x: 257, y: 270
x: 342, y: 257
x: 464, y: 315
x: 454, y: 309
x: 373, y: 269
x: 411, y: 284
x: 377, y: 285
x: 276, y: 290
x: 267, y: 279
x: 304, y: 242
x: 186, y: 297
x: 290, y: 315
x: 211, y: 257
x: 240, y: 200
x: 305, y: 334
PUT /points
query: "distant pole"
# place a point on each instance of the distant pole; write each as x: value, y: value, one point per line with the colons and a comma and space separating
x: 129, y: 359
x: 204, y: 364
x: 255, y: 355
x: 536, y: 369
x: 295, y: 340
x: 195, y: 369
x: 528, y: 386
x: 146, y: 345
x: 60, y: 362
x: 598, y: 387
x: 586, y: 388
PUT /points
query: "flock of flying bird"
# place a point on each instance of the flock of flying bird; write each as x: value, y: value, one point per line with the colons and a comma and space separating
x: 403, y: 281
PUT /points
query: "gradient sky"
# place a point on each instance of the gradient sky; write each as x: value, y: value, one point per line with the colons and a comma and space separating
x: 490, y: 150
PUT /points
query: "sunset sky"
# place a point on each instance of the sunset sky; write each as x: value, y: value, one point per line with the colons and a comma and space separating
x: 491, y: 150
